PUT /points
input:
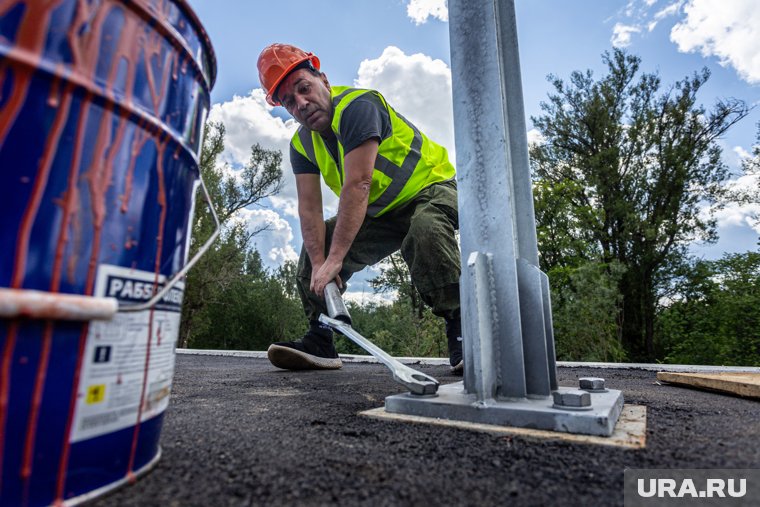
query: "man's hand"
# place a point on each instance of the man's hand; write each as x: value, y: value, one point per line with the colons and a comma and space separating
x: 324, y: 274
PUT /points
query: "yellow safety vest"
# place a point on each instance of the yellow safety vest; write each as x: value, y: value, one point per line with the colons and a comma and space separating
x: 407, y: 161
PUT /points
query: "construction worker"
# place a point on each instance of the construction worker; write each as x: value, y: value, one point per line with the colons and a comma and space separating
x: 396, y: 191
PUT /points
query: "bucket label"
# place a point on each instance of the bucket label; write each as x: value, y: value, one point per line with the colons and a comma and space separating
x: 129, y: 359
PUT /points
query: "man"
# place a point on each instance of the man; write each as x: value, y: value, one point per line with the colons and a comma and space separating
x: 396, y: 191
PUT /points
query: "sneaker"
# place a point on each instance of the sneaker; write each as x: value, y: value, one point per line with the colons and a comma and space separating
x: 315, y: 351
x: 454, y: 336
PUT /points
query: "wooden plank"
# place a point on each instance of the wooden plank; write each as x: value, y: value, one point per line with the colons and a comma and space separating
x: 740, y: 384
x: 630, y: 431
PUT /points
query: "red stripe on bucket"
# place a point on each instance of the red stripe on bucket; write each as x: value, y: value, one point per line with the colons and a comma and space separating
x: 40, y: 182
x: 31, y: 35
x: 5, y: 384
x: 34, y: 413
x: 160, y: 152
x: 64, y: 463
x: 68, y: 203
x: 98, y: 188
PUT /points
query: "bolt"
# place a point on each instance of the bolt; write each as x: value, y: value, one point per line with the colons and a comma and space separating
x: 571, y: 399
x: 592, y: 384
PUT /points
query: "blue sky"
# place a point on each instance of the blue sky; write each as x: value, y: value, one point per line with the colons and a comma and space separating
x: 401, y: 47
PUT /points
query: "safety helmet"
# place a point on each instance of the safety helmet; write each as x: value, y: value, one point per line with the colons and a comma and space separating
x: 276, y: 61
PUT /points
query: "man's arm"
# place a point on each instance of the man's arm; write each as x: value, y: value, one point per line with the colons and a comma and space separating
x: 352, y: 208
x: 311, y: 218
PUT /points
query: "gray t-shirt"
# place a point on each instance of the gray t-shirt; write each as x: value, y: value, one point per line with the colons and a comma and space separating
x: 363, y: 119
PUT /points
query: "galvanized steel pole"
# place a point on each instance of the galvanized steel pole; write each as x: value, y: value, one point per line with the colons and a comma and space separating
x: 485, y: 203
x: 510, y: 370
x: 496, y: 202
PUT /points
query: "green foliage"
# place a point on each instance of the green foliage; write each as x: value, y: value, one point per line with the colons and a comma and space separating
x: 406, y: 327
x: 622, y: 176
x: 397, y: 329
x: 394, y: 276
x: 231, y: 301
x: 585, y: 306
x: 714, y: 317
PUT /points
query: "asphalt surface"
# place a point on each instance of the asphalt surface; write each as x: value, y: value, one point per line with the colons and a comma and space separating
x: 239, y: 432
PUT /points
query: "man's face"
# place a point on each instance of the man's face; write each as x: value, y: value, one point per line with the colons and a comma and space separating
x: 307, y: 98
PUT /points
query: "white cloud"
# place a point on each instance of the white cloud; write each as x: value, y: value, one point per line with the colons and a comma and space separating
x: 249, y: 120
x: 744, y: 214
x: 416, y: 86
x: 740, y: 216
x: 363, y: 298
x: 421, y: 10
x: 275, y: 243
x: 641, y: 16
x: 728, y: 30
x: 535, y: 137
x: 621, y: 34
x: 741, y: 152
x: 670, y: 10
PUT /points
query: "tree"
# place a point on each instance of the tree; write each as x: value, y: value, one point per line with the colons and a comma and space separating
x: 394, y: 276
x: 585, y: 307
x: 714, y: 315
x: 631, y: 167
x: 216, y: 285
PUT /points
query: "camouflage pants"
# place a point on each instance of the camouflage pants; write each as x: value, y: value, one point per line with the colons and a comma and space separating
x: 423, y: 229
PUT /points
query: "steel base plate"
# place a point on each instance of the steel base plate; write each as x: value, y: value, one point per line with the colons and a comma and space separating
x: 453, y: 403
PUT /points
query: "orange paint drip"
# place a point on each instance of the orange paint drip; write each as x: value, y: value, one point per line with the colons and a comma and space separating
x: 40, y: 182
x: 54, y: 97
x: 5, y: 385
x: 140, y: 138
x: 34, y: 414
x: 85, y: 43
x: 68, y: 202
x: 10, y: 111
x: 153, y: 51
x: 32, y: 30
x: 160, y: 153
x: 70, y: 197
x: 3, y: 72
x: 64, y: 463
x: 7, y: 5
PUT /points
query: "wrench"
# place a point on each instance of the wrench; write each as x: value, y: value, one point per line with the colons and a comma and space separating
x: 340, y: 320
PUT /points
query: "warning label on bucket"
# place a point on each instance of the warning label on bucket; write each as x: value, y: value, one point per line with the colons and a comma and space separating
x: 128, y: 361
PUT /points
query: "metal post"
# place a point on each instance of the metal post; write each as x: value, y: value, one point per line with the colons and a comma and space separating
x: 510, y: 371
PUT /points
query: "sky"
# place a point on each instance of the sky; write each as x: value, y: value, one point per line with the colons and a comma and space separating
x: 401, y: 48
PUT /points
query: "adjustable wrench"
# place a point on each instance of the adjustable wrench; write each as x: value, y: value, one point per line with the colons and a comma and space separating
x: 340, y: 320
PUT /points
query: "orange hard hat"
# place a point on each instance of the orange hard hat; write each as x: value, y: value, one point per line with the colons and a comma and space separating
x: 276, y: 61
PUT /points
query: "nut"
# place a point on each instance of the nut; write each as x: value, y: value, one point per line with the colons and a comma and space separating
x: 571, y: 399
x: 593, y: 384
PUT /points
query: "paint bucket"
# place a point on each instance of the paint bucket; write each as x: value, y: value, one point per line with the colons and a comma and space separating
x: 102, y: 108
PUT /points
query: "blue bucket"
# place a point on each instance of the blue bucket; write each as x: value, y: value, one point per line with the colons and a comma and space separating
x: 102, y: 109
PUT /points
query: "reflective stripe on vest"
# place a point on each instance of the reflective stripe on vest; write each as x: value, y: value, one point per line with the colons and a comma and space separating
x: 435, y: 168
x: 398, y: 175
